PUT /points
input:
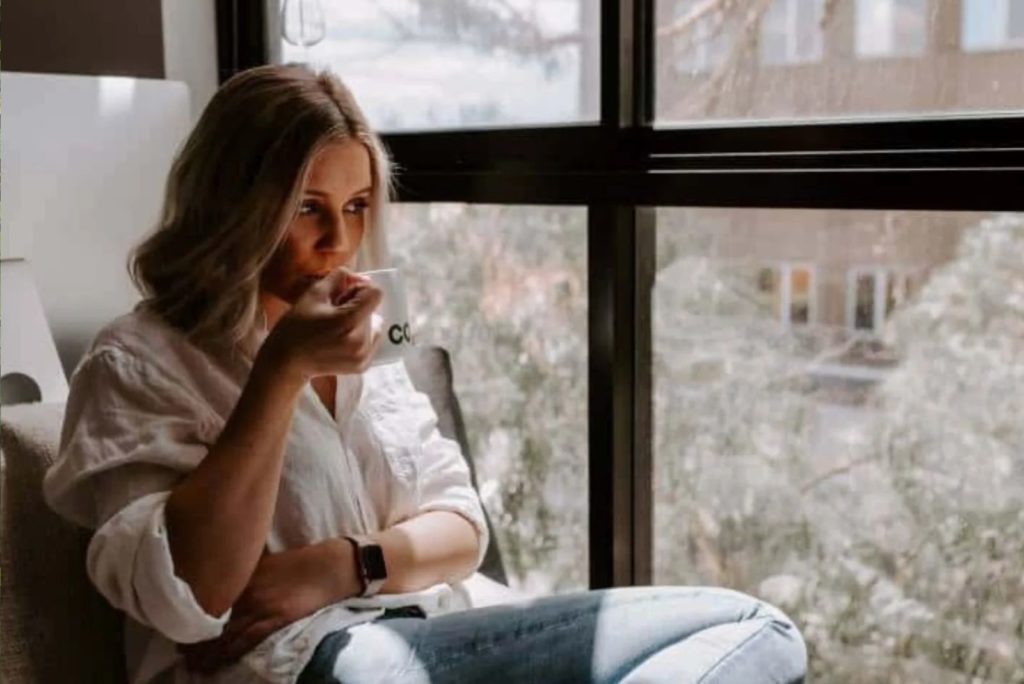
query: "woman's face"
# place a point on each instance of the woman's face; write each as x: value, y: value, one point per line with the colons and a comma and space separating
x: 327, y: 230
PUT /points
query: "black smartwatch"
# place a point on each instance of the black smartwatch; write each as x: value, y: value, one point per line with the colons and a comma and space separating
x: 370, y: 564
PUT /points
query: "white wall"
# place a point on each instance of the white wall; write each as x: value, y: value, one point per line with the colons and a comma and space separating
x: 190, y: 48
x: 84, y: 163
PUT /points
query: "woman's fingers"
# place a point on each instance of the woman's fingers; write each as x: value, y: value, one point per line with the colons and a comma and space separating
x: 318, y: 336
x: 199, y: 656
x: 361, y: 302
x: 334, y: 286
x: 234, y: 628
x: 247, y: 640
x: 194, y: 654
x: 205, y: 656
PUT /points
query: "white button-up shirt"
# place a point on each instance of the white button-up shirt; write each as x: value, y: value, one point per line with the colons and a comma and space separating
x: 145, y: 406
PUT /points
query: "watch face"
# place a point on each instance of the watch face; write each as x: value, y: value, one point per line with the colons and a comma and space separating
x: 373, y: 562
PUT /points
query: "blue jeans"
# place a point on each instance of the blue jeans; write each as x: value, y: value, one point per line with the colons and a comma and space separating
x: 629, y: 635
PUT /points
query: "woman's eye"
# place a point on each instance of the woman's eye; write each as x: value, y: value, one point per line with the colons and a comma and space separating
x: 357, y: 206
x: 307, y: 208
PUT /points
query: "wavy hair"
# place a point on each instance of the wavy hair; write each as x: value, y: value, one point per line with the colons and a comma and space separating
x: 232, y: 191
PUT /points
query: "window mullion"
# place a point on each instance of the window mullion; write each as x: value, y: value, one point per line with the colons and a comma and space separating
x: 620, y: 266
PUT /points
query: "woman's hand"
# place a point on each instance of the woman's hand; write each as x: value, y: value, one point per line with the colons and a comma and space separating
x: 285, y: 587
x: 328, y: 330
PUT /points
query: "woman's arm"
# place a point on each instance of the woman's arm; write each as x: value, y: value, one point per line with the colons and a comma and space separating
x: 445, y: 536
x: 219, y: 515
x: 433, y: 547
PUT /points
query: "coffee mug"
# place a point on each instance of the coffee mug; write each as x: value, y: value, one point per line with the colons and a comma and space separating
x: 391, y: 319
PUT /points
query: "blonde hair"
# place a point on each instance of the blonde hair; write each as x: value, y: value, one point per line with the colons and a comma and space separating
x: 232, y: 191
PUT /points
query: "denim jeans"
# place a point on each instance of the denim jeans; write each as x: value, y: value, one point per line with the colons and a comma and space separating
x: 629, y: 635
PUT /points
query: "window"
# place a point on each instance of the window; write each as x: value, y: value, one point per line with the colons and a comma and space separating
x: 789, y: 292
x: 429, y: 64
x: 823, y: 467
x: 864, y: 312
x: 741, y: 428
x: 891, y: 28
x: 791, y: 32
x: 503, y: 289
x: 874, y: 293
x: 992, y: 25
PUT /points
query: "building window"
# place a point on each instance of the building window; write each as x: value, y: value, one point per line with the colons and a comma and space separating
x: 705, y: 43
x: 791, y: 32
x: 891, y: 28
x: 873, y: 293
x: 789, y: 289
x: 992, y: 25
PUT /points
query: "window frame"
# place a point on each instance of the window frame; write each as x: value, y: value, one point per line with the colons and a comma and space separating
x: 623, y: 167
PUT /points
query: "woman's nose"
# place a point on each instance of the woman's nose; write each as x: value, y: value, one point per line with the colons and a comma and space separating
x: 335, y: 237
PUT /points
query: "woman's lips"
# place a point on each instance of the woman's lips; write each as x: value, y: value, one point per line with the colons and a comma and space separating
x: 350, y: 280
x: 314, y: 276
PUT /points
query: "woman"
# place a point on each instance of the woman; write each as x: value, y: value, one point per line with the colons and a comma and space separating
x: 267, y: 506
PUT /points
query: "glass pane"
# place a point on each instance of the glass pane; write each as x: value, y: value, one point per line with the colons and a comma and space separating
x: 814, y: 59
x: 426, y: 64
x: 504, y: 290
x: 791, y: 32
x: 868, y: 479
x: 864, y: 317
x: 992, y: 24
x: 891, y: 28
x: 768, y: 290
x: 801, y: 285
x: 775, y: 35
x: 707, y: 42
x: 982, y: 25
x: 807, y: 29
x: 1016, y: 22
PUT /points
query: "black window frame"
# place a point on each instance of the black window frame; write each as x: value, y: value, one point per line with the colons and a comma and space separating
x: 622, y: 167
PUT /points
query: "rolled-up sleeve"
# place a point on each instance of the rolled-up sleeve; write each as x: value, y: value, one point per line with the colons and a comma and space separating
x: 443, y: 481
x: 129, y: 561
x: 129, y: 435
x: 445, y: 485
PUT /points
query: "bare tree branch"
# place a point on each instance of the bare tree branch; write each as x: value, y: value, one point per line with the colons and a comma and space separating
x: 832, y: 472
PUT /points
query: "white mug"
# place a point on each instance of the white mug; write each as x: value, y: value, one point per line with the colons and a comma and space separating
x: 391, y: 319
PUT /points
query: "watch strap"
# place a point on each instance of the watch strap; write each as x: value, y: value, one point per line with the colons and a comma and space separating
x: 369, y: 564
